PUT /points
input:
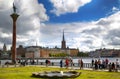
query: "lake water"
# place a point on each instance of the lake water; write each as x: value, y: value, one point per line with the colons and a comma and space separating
x: 85, y: 60
x: 75, y: 60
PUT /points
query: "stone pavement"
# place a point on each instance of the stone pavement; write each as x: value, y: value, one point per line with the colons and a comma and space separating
x: 72, y: 68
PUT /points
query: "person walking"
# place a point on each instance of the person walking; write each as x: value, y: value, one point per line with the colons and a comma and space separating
x: 117, y: 65
x: 46, y: 62
x: 92, y: 63
x: 72, y: 64
x: 106, y: 62
x: 61, y: 63
x: 67, y: 63
x: 96, y: 64
x: 81, y: 64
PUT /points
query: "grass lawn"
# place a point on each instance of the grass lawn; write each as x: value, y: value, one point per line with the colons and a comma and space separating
x: 26, y: 72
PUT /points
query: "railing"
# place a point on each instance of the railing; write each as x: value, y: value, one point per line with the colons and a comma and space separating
x: 85, y: 65
x: 23, y: 63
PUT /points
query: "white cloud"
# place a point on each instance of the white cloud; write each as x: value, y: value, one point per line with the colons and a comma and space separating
x: 115, y: 9
x: 86, y: 35
x: 5, y: 4
x: 28, y: 24
x: 67, y: 6
x: 83, y: 35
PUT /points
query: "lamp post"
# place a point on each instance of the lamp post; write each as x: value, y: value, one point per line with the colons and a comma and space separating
x: 14, y: 17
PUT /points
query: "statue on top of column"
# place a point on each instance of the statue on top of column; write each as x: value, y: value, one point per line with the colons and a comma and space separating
x: 14, y: 8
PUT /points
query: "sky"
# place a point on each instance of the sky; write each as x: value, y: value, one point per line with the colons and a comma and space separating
x: 88, y: 24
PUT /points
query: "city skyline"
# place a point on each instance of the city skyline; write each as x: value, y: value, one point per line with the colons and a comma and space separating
x: 87, y: 24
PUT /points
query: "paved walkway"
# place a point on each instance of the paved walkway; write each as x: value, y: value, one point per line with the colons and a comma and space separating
x: 73, y: 68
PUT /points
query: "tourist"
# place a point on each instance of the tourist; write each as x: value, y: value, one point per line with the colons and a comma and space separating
x: 81, y: 64
x: 117, y: 64
x: 99, y: 63
x: 103, y: 64
x: 46, y: 62
x: 33, y: 62
x: 61, y: 63
x: 66, y: 63
x: 110, y: 67
x: 113, y: 66
x: 106, y: 62
x: 72, y: 64
x: 92, y: 63
x: 96, y: 64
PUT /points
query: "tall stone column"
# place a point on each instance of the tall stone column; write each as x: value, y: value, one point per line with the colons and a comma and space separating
x: 14, y: 18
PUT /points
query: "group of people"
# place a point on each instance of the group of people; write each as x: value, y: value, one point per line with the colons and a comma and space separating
x: 69, y: 63
x: 105, y: 64
x: 96, y: 64
x: 114, y: 65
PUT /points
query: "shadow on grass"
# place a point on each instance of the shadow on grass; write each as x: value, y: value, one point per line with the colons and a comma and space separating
x: 50, y: 78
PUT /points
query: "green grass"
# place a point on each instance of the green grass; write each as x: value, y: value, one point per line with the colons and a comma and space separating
x: 26, y: 72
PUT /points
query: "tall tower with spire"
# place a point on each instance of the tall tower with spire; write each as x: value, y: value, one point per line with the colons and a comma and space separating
x: 4, y: 48
x: 63, y: 43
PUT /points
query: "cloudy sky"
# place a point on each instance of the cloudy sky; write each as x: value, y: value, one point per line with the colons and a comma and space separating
x: 88, y: 24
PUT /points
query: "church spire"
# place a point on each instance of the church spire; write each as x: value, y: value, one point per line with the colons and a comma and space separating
x: 63, y: 36
x: 63, y: 46
x: 4, y: 47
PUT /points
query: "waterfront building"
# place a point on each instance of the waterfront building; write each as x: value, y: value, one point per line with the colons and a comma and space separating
x: 32, y: 52
x: 54, y: 52
x: 105, y: 53
x: 38, y: 51
x: 20, y: 51
x: 73, y: 52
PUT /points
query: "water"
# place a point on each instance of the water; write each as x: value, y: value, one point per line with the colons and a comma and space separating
x: 85, y: 60
x: 88, y: 60
x: 4, y: 61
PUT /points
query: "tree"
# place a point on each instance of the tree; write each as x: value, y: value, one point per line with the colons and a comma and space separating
x: 83, y: 54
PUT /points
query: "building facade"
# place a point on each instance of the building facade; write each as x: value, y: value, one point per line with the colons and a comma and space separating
x: 105, y: 53
x: 37, y: 51
x: 20, y: 51
x: 32, y: 52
